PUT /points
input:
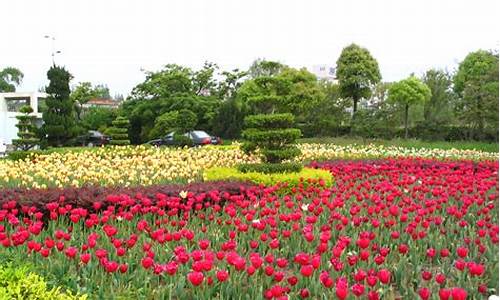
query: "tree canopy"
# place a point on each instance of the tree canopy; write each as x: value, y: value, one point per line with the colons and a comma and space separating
x: 10, y: 78
x: 408, y: 92
x: 476, y: 84
x: 357, y: 72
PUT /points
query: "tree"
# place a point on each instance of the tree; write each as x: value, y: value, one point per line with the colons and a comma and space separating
x: 439, y: 108
x: 357, y: 73
x: 228, y: 121
x: 476, y: 84
x: 186, y: 121
x: 170, y: 89
x: 119, y: 131
x: 329, y: 114
x: 84, y: 91
x: 9, y: 79
x: 59, y: 120
x: 291, y: 91
x: 164, y: 124
x: 261, y: 67
x: 408, y: 92
x: 98, y: 118
x: 26, y: 129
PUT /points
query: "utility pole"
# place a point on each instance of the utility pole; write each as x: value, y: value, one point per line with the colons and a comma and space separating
x: 53, y: 51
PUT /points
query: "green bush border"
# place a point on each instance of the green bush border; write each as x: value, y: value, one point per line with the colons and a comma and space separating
x: 306, y: 177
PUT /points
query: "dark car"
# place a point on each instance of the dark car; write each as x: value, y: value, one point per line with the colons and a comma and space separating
x: 93, y: 138
x: 197, y: 137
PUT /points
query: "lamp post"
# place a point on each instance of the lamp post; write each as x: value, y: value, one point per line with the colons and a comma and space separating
x: 53, y: 52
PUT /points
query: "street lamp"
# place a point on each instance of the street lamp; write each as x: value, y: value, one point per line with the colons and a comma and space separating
x: 54, y: 52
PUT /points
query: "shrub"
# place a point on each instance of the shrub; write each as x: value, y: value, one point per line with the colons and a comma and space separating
x: 86, y: 196
x: 181, y: 140
x: 20, y: 155
x: 119, y: 131
x: 270, y: 168
x: 305, y: 177
x: 26, y: 129
x: 272, y: 135
x: 19, y: 283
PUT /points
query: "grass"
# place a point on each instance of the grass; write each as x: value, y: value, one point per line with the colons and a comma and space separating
x: 410, y: 143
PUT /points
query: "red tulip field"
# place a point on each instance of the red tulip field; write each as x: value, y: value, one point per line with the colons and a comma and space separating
x: 386, y: 229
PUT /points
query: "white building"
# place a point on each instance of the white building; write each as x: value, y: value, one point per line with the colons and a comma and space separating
x: 324, y: 72
x: 10, y: 103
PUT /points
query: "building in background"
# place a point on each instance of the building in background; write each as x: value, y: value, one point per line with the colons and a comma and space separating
x: 101, y: 102
x: 324, y: 72
x: 10, y: 103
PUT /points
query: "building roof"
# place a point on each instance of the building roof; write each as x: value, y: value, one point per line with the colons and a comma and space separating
x: 102, y: 102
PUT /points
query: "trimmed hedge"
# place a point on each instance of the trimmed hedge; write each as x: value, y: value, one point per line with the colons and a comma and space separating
x: 305, y: 177
x: 269, y: 168
x: 271, y: 137
x: 273, y: 121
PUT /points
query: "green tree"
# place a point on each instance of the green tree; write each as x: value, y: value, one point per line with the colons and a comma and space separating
x: 26, y: 129
x: 408, y: 92
x: 186, y: 121
x: 164, y: 124
x: 9, y: 79
x: 263, y: 68
x: 476, y: 84
x: 228, y: 121
x: 80, y: 95
x: 119, y: 131
x: 439, y: 108
x: 59, y: 120
x: 291, y: 91
x: 98, y: 118
x: 357, y: 72
x: 170, y: 89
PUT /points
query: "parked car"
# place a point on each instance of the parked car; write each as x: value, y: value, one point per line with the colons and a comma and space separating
x: 93, y: 138
x: 197, y: 137
x: 3, y: 148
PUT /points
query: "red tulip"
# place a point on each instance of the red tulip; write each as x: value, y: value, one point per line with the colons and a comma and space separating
x: 424, y: 293
x: 196, y: 278
x: 458, y: 294
x: 384, y: 276
x: 306, y: 270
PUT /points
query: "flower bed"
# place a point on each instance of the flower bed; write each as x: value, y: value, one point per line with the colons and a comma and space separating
x: 382, y: 231
x: 141, y: 166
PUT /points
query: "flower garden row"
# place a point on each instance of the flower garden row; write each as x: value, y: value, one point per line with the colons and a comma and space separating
x: 382, y: 231
x: 131, y: 166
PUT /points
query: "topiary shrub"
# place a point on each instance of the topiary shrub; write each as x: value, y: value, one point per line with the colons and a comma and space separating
x: 26, y: 129
x: 119, y: 131
x: 275, y: 140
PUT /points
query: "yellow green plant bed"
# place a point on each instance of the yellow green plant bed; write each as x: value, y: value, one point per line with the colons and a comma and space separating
x: 306, y: 176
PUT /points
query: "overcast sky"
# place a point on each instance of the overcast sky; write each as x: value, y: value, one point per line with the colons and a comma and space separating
x: 110, y: 42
